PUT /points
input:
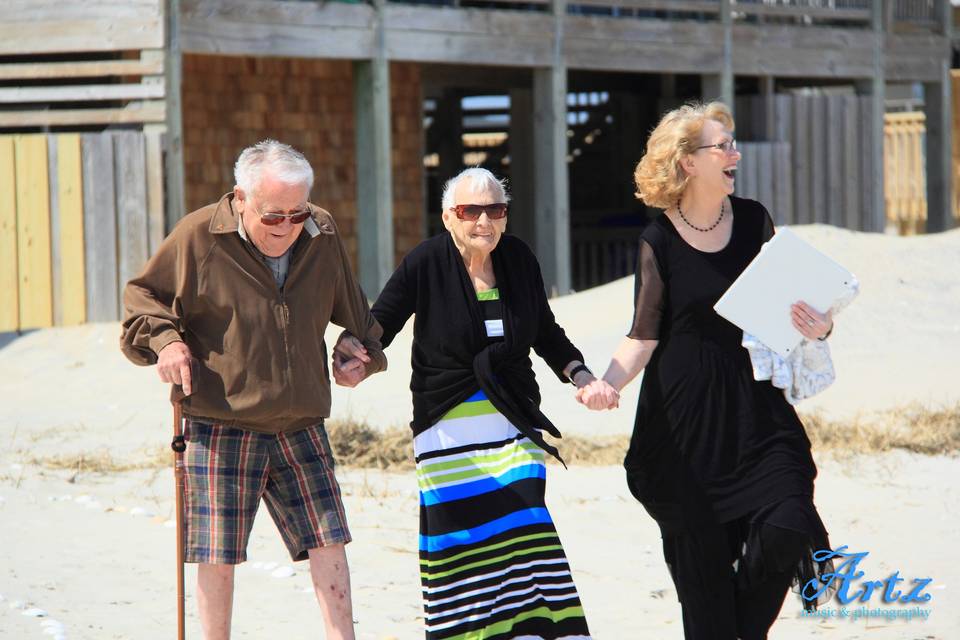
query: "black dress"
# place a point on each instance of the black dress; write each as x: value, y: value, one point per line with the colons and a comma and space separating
x: 720, y: 460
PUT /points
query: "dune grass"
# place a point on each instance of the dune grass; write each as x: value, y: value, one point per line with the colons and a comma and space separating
x: 916, y: 428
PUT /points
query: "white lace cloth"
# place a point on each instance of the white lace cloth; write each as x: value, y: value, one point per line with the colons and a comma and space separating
x: 806, y: 371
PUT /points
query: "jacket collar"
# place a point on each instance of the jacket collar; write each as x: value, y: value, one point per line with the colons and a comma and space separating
x: 226, y: 220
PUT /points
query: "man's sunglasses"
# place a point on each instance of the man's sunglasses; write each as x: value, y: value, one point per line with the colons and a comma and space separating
x: 472, y: 212
x: 273, y: 219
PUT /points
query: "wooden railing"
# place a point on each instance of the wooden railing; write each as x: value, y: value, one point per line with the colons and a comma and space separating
x: 905, y: 182
x: 920, y: 12
x: 600, y: 255
x: 76, y: 64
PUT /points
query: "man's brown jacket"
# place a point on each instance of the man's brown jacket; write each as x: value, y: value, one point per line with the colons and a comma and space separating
x: 261, y: 361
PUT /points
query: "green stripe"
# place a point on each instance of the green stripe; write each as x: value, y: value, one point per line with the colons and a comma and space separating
x: 485, y: 563
x: 489, y: 547
x: 470, y: 410
x: 488, y: 457
x: 492, y: 294
x: 506, y: 625
x: 473, y: 472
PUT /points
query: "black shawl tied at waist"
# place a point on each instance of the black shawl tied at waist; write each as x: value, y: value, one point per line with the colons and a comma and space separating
x: 452, y: 357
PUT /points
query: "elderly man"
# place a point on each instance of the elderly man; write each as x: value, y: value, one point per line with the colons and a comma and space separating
x: 233, y: 309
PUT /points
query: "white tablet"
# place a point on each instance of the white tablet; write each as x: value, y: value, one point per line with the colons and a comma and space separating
x: 786, y: 270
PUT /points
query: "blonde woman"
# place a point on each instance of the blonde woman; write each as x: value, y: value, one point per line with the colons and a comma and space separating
x: 720, y: 460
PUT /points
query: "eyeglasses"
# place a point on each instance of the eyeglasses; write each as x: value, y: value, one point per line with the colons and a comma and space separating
x: 727, y: 146
x: 472, y: 212
x: 273, y: 219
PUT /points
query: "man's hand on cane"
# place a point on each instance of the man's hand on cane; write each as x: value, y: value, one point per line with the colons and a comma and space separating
x: 174, y: 365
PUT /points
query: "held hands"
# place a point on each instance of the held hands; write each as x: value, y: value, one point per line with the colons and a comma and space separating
x: 598, y: 395
x: 174, y: 365
x: 349, y: 358
x: 810, y: 322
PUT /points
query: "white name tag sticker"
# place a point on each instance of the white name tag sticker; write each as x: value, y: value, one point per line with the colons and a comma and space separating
x: 494, y: 328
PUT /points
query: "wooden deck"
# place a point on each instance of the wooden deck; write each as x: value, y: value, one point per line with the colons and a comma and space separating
x: 664, y: 42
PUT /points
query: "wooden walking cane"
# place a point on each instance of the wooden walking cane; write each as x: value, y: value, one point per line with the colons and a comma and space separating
x: 179, y: 446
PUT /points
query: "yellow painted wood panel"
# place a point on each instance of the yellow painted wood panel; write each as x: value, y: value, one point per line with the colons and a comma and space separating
x: 73, y: 294
x: 33, y: 231
x: 9, y: 302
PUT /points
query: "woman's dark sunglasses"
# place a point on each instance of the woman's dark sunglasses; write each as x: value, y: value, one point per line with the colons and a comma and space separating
x: 472, y: 212
x: 273, y: 219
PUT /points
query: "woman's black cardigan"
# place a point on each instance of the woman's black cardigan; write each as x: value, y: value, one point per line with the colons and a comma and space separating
x: 452, y: 358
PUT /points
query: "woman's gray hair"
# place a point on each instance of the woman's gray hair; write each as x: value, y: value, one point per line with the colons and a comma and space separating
x: 480, y: 180
x: 285, y: 163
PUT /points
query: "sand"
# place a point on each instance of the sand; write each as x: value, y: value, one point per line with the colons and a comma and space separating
x: 94, y: 552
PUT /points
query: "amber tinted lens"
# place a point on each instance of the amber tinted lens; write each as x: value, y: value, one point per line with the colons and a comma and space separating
x: 472, y: 212
x: 272, y: 219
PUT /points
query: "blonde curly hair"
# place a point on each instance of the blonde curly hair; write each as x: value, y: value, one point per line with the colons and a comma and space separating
x: 659, y: 177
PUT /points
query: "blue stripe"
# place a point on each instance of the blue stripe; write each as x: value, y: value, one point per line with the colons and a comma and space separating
x: 486, y: 485
x: 477, y: 397
x: 522, y: 518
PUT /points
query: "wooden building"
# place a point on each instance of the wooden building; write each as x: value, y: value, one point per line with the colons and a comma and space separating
x: 120, y: 115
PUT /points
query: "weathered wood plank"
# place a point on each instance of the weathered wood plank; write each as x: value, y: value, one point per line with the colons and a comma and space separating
x: 852, y: 157
x: 802, y: 202
x: 92, y: 69
x: 50, y: 10
x: 9, y: 281
x: 785, y: 51
x: 33, y: 231
x: 100, y: 227
x: 131, y: 188
x: 54, y: 196
x: 868, y: 217
x: 747, y: 171
x: 850, y: 15
x: 211, y: 35
x: 765, y: 174
x: 783, y: 191
x: 55, y: 36
x: 149, y: 111
x: 154, y: 168
x: 835, y: 161
x: 695, y: 6
x: 819, y: 157
x: 81, y: 92
x: 71, y: 266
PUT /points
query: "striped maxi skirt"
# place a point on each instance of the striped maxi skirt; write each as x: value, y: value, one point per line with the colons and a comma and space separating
x: 491, y: 563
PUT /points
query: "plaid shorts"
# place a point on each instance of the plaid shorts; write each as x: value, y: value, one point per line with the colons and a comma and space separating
x: 227, y: 470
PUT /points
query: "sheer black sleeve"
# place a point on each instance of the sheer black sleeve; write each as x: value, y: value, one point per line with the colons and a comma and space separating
x: 768, y: 228
x: 648, y: 292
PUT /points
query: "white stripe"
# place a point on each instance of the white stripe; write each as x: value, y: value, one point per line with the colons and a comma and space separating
x: 459, y: 432
x: 476, y: 592
x: 479, y: 465
x: 485, y: 576
x: 506, y: 607
x: 500, y: 596
x: 466, y: 456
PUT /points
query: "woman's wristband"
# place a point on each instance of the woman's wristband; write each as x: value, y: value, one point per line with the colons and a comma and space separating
x: 577, y: 369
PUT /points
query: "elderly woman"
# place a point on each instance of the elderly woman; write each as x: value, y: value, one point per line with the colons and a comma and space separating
x: 492, y: 565
x: 720, y: 460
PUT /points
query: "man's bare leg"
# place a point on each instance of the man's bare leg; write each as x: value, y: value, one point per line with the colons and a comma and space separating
x: 215, y: 599
x: 331, y: 583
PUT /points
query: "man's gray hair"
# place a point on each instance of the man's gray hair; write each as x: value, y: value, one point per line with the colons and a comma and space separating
x: 480, y: 180
x: 285, y: 164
